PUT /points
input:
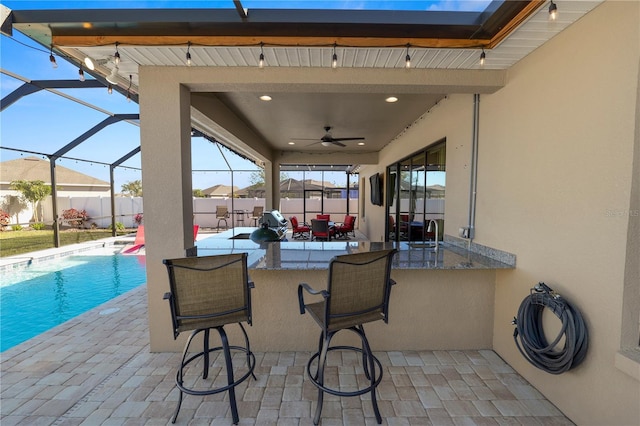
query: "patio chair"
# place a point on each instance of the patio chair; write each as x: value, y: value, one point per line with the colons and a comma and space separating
x: 207, y: 293
x: 256, y: 215
x: 358, y: 292
x: 342, y: 230
x: 326, y: 217
x: 299, y: 230
x: 222, y: 214
x: 320, y: 229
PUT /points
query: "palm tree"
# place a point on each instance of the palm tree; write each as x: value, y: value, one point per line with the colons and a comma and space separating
x: 133, y: 188
x: 33, y: 191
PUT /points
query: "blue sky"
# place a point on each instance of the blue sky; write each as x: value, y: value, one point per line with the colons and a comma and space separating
x: 45, y: 122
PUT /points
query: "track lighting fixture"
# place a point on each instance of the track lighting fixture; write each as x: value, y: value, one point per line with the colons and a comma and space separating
x: 52, y: 59
x: 188, y: 54
x: 483, y: 56
x: 116, y: 56
x: 81, y: 73
x: 129, y: 88
x: 407, y: 59
x: 109, y: 89
x: 261, y: 58
x: 553, y: 11
x: 334, y: 58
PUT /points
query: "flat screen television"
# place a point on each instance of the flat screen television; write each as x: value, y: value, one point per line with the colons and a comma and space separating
x: 376, y: 189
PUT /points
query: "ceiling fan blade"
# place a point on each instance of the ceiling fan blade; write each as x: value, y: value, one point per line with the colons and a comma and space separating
x: 335, y: 142
x: 347, y: 139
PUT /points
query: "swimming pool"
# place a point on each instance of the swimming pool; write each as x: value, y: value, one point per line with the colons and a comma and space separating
x: 46, y: 294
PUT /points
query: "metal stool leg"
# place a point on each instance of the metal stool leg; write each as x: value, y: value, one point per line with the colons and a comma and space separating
x: 371, y: 374
x: 180, y: 374
x: 249, y: 353
x: 322, y: 361
x: 231, y: 381
x: 229, y: 367
x: 371, y: 364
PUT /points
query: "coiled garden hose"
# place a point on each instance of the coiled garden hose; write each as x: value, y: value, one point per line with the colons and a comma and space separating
x: 533, y: 344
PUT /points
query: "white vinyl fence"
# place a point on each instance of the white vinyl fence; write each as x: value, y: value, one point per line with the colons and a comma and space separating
x: 204, y: 210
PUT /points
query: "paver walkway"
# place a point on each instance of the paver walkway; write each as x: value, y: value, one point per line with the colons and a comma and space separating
x: 97, y: 370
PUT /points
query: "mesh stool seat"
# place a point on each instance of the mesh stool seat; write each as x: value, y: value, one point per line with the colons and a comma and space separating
x: 207, y: 293
x: 358, y: 292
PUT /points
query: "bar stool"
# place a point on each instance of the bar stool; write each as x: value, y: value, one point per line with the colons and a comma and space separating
x: 207, y: 293
x: 358, y: 292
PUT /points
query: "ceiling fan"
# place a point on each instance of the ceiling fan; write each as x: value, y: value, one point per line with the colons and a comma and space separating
x: 328, y: 140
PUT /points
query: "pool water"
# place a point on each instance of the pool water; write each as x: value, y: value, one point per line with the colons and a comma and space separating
x: 44, y: 295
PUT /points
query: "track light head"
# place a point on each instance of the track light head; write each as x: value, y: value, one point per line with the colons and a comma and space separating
x: 483, y: 57
x: 553, y: 11
x: 81, y: 73
x: 110, y: 89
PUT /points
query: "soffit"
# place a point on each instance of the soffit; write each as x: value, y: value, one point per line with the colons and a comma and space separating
x: 303, y: 40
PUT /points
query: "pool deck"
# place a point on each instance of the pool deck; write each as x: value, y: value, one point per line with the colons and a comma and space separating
x: 96, y: 369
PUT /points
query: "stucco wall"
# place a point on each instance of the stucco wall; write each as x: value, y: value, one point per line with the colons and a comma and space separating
x: 451, y: 118
x: 554, y: 178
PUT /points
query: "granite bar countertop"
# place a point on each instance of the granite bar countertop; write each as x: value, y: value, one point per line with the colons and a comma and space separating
x: 305, y: 255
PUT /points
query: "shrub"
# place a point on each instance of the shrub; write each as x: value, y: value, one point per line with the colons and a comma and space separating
x: 16, y: 227
x: 119, y: 226
x: 38, y: 226
x: 4, y: 218
x: 75, y: 217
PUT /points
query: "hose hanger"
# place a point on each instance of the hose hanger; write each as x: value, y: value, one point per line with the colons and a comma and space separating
x: 530, y: 337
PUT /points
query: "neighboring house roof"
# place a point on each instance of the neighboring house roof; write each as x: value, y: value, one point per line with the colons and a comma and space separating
x: 217, y: 191
x: 34, y: 168
x: 287, y: 186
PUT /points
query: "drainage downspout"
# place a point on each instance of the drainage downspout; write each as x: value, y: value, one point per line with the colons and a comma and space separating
x: 474, y: 167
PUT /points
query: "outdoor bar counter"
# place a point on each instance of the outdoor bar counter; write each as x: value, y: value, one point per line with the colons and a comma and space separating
x: 443, y: 298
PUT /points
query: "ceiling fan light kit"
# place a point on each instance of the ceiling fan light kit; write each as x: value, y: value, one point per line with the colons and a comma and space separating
x: 328, y: 140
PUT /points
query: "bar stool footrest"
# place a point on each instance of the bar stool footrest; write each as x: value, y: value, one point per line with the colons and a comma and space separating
x: 336, y: 392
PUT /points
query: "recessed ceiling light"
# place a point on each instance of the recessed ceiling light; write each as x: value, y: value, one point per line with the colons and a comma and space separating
x: 265, y: 98
x: 391, y: 99
x: 292, y: 143
x: 360, y: 143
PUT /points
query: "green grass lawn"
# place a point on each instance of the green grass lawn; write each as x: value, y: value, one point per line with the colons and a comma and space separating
x: 25, y: 241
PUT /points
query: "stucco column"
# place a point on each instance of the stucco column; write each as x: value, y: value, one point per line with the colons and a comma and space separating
x: 272, y: 185
x: 165, y: 135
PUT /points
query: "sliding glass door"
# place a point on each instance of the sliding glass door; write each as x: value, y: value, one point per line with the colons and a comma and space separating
x: 415, y: 195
